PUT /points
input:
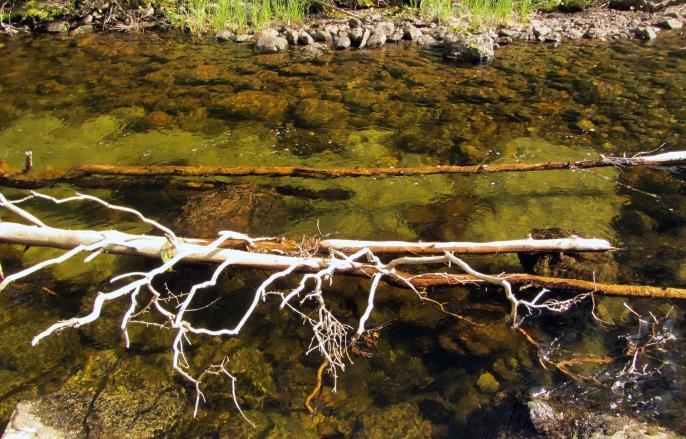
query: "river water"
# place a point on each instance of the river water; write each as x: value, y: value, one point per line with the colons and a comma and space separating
x: 160, y: 99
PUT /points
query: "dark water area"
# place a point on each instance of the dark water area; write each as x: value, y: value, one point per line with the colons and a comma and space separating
x: 160, y: 99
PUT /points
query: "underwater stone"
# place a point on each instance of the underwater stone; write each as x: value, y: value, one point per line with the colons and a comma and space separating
x: 237, y: 207
x: 313, y: 112
x: 254, y: 105
x: 396, y: 421
x: 487, y: 383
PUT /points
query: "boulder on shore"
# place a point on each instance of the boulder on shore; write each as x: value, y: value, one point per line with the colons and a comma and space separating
x: 268, y: 43
x: 468, y: 48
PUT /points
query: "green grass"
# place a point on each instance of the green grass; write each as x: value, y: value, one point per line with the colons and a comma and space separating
x: 479, y: 12
x: 200, y: 16
x: 440, y: 9
x: 494, y: 12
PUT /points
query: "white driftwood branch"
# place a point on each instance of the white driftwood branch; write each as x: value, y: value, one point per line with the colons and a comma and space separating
x: 331, y: 337
x: 571, y: 244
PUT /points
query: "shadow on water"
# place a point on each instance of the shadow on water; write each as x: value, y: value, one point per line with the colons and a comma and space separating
x: 158, y: 99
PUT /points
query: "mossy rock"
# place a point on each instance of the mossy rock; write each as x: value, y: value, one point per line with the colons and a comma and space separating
x: 113, y: 397
x: 396, y: 421
x: 253, y: 105
x: 242, y: 208
x: 313, y: 113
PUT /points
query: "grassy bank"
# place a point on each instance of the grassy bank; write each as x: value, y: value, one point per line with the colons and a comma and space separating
x: 203, y: 16
x: 199, y: 16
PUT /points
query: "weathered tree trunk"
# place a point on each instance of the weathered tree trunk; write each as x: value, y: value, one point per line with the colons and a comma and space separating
x: 155, y: 246
x: 111, y: 176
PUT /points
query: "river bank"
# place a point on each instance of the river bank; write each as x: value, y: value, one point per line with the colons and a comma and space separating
x: 459, y: 39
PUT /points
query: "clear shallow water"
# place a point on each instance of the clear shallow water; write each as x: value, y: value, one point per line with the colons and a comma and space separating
x: 160, y: 99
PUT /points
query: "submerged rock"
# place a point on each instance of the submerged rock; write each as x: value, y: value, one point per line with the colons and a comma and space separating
x: 243, y: 208
x: 518, y: 415
x: 588, y: 266
x: 253, y: 105
x: 399, y: 420
x: 111, y: 398
x: 311, y: 51
x: 313, y: 112
x: 487, y: 383
x: 469, y: 48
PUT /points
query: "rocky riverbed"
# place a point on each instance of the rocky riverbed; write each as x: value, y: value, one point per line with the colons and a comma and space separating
x: 457, y: 39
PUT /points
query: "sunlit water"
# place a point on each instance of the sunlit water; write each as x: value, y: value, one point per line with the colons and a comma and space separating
x: 170, y: 100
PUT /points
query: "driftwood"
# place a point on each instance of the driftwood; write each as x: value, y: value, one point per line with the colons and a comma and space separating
x: 97, y: 176
x: 154, y: 246
x: 65, y: 239
x: 310, y: 270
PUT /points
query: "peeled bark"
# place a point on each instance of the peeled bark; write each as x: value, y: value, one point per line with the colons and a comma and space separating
x: 155, y: 246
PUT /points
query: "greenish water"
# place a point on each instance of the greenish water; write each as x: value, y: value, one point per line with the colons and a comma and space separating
x: 160, y: 99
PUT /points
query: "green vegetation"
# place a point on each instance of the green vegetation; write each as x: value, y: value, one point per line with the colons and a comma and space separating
x: 203, y: 16
x: 36, y: 10
x: 199, y: 16
x: 487, y: 12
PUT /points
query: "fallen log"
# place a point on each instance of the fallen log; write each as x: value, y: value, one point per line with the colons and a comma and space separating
x: 91, y: 175
x: 116, y: 242
x: 335, y: 339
